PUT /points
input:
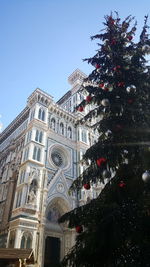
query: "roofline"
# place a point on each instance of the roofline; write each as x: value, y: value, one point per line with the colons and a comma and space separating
x: 63, y: 97
x: 14, y: 124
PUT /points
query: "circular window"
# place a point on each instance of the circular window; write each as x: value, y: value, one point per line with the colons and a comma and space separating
x: 57, y: 158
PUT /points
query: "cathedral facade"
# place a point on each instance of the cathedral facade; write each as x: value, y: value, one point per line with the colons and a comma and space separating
x: 39, y: 155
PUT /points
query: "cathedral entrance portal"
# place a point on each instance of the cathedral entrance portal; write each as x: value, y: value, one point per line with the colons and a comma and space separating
x: 57, y: 237
x: 52, y: 251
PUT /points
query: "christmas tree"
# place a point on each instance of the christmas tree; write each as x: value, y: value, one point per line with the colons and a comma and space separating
x: 114, y: 228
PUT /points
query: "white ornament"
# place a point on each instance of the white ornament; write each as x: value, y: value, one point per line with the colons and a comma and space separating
x: 146, y: 176
x: 131, y: 88
x: 105, y: 102
x: 146, y: 49
x: 123, y: 35
x: 108, y: 133
x: 98, y: 70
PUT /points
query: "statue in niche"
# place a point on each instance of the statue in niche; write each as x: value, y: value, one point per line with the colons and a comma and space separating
x: 53, y: 215
x: 32, y: 191
x: 35, y: 173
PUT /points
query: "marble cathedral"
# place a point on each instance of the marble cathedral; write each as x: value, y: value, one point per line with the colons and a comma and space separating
x: 39, y: 155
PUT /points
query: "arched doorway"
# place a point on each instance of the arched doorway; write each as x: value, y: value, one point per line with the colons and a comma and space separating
x: 55, y: 234
x: 52, y: 251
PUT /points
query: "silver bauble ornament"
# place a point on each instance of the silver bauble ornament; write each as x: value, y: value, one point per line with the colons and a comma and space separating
x: 146, y: 176
x: 98, y: 70
x: 146, y: 49
x: 106, y: 174
x: 108, y: 133
x: 105, y: 102
x: 131, y: 88
x: 123, y: 34
x: 106, y: 41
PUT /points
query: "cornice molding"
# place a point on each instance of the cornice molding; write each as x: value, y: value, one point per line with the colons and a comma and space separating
x: 14, y: 124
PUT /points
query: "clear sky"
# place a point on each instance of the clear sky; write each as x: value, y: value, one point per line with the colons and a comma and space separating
x: 43, y: 41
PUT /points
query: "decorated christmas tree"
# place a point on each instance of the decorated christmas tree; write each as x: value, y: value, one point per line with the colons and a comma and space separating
x: 114, y: 228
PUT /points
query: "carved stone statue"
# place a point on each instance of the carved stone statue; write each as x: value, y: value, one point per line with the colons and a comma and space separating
x: 32, y: 191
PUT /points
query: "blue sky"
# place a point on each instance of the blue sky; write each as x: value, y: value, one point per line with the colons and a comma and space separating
x: 43, y: 41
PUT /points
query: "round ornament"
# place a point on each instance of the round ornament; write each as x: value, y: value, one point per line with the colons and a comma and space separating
x: 97, y: 66
x: 106, y: 174
x: 111, y: 21
x: 80, y: 109
x: 120, y: 84
x: 117, y: 68
x: 101, y: 85
x: 130, y: 37
x: 88, y: 98
x: 98, y: 70
x: 113, y: 42
x: 123, y: 35
x: 101, y: 162
x: 79, y: 229
x: 108, y: 133
x: 131, y: 88
x: 146, y: 49
x: 146, y: 176
x: 122, y: 184
x: 105, y: 102
x: 87, y: 186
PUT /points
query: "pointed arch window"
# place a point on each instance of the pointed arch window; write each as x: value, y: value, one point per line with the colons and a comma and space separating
x: 29, y: 242
x: 26, y: 241
x: 32, y: 114
x: 84, y: 136
x: 26, y: 154
x: 39, y: 136
x: 29, y: 134
x: 18, y: 199
x: 23, y: 242
x: 41, y: 114
x: 22, y: 176
x: 37, y: 153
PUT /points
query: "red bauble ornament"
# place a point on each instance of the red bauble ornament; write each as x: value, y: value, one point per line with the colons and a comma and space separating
x: 101, y: 85
x: 106, y: 89
x: 130, y: 101
x: 113, y: 42
x: 79, y: 229
x: 130, y: 37
x: 88, y: 98
x: 120, y: 84
x: 87, y: 186
x: 117, y: 68
x: 101, y: 161
x: 122, y: 184
x: 111, y: 21
x: 80, y: 109
x: 97, y: 66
